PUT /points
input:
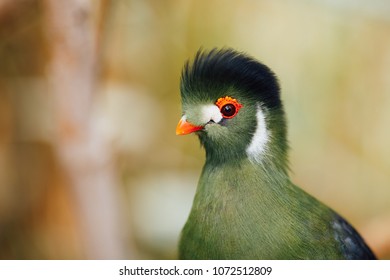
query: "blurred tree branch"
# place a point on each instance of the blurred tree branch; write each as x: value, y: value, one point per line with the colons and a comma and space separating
x: 74, y: 37
x: 6, y: 6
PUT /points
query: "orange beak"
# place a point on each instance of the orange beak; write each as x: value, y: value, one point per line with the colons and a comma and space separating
x: 184, y: 127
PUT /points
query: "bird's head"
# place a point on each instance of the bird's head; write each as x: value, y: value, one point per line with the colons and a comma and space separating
x: 232, y: 102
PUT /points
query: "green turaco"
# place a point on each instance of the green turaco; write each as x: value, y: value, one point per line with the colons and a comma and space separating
x: 246, y: 206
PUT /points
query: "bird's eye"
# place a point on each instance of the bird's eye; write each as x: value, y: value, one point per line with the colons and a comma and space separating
x: 228, y: 106
x: 228, y: 111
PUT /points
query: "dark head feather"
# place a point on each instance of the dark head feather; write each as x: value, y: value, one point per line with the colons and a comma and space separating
x: 226, y: 69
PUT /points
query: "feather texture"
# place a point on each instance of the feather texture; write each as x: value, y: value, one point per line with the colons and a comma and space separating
x: 245, y: 205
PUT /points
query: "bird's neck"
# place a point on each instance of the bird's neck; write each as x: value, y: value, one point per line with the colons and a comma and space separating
x: 233, y: 196
x: 272, y: 163
x: 266, y: 174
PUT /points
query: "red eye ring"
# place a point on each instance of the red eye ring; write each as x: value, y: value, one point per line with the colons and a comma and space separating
x: 228, y: 106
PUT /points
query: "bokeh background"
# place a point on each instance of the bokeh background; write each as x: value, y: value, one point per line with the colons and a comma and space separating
x: 90, y: 166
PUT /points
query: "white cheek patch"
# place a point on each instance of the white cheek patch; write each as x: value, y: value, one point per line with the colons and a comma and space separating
x: 258, y: 144
x: 210, y: 113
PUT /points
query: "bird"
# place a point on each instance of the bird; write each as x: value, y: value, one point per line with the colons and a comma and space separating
x: 245, y: 205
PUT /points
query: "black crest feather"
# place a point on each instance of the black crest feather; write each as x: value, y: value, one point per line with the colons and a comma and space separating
x: 223, y: 69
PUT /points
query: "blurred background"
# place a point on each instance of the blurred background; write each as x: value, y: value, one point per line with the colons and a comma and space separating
x: 90, y: 166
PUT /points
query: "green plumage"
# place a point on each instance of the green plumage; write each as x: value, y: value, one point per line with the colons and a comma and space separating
x: 245, y: 214
x: 247, y: 208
